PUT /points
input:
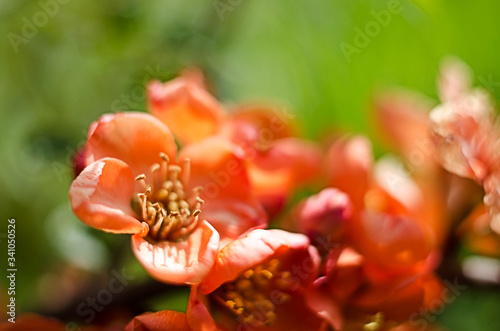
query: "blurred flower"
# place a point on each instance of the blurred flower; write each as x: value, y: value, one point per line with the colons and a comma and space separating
x: 391, y: 216
x: 134, y: 184
x: 163, y: 320
x: 466, y: 133
x: 278, y: 162
x: 357, y: 293
x: 374, y: 226
x: 257, y: 283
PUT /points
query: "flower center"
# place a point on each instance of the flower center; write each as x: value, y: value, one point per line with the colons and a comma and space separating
x: 170, y: 213
x: 253, y: 296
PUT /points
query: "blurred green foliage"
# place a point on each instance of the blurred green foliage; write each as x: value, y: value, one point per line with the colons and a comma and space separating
x: 89, y: 58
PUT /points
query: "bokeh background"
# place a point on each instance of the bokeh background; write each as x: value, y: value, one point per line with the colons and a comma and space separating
x: 84, y: 58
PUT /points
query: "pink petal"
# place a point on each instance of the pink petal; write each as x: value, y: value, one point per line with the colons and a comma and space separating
x: 325, y: 213
x: 101, y: 195
x: 135, y: 138
x: 185, y: 262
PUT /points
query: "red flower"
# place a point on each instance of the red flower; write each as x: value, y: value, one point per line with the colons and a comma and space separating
x: 257, y: 283
x: 357, y: 293
x: 278, y: 162
x: 135, y: 183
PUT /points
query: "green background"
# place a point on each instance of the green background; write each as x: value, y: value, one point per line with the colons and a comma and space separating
x: 91, y: 57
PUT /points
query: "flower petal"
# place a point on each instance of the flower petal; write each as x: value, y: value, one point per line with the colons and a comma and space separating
x: 454, y: 79
x: 199, y: 317
x: 253, y: 248
x: 272, y: 122
x: 233, y: 217
x: 135, y: 138
x: 229, y: 206
x: 322, y: 302
x: 466, y: 139
x: 348, y: 163
x: 397, y: 241
x: 100, y: 196
x: 325, y: 214
x: 185, y: 262
x: 285, y: 165
x: 159, y: 321
x: 403, y: 118
x: 186, y: 107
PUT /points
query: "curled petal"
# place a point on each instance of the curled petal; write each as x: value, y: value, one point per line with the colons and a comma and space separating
x: 159, y: 321
x: 186, y: 107
x: 184, y: 262
x: 234, y: 258
x: 135, y: 138
x: 101, y: 195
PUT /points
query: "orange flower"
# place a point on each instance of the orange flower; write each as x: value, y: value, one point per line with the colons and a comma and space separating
x: 379, y: 211
x: 391, y: 217
x: 257, y: 283
x: 135, y: 183
x: 358, y: 294
x: 277, y: 161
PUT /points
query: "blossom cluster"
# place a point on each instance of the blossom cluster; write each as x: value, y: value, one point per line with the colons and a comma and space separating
x: 208, y: 194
